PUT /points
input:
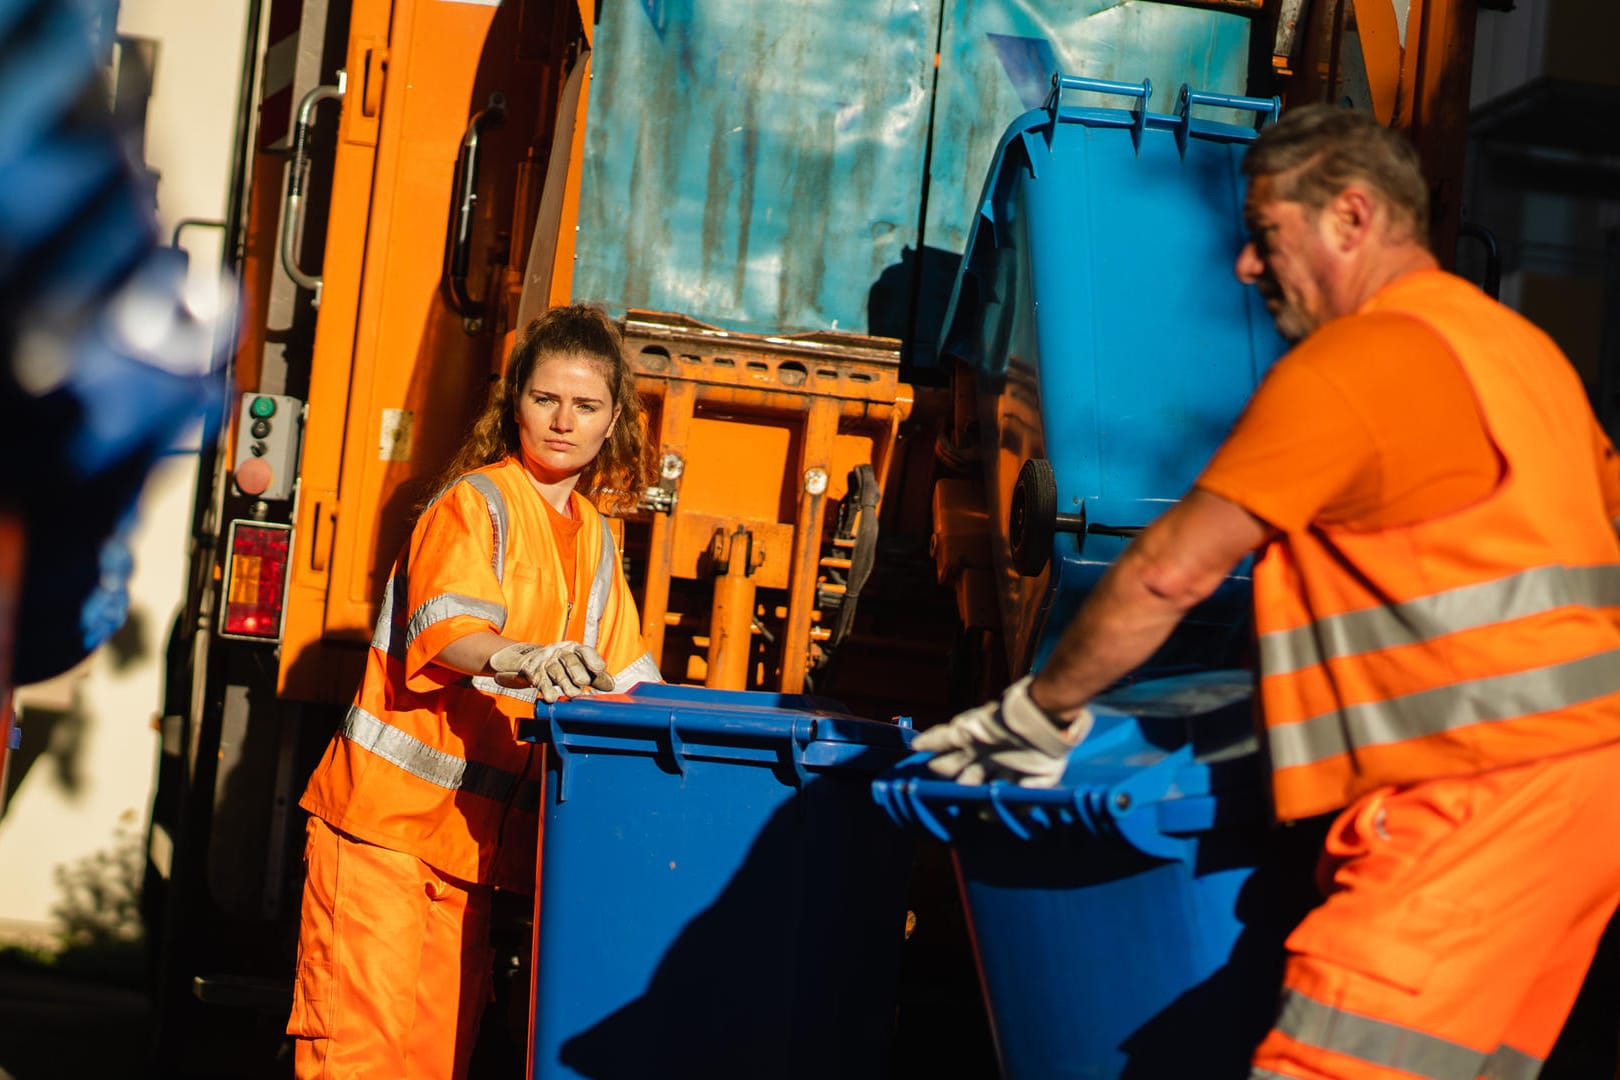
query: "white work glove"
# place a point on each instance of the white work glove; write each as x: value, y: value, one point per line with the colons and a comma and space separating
x: 566, y: 669
x: 1009, y: 739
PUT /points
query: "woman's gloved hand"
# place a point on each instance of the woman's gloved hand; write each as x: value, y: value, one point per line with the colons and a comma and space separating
x: 1011, y: 738
x: 566, y: 669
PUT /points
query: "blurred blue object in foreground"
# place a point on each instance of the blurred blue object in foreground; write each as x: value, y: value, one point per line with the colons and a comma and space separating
x: 103, y: 359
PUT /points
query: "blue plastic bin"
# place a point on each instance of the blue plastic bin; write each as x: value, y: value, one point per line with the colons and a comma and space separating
x: 1109, y: 342
x: 1129, y: 922
x: 718, y: 895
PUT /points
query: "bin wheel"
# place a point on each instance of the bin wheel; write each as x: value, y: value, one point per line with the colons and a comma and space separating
x: 1032, y: 517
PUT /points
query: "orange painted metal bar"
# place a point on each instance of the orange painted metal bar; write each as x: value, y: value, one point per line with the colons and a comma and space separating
x: 562, y: 266
x: 1381, y: 52
x: 1436, y: 74
x: 675, y: 418
x: 731, y: 619
x: 548, y: 258
x: 815, y: 463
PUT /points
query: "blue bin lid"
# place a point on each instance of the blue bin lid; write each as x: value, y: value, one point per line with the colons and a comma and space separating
x: 1167, y: 761
x: 797, y: 733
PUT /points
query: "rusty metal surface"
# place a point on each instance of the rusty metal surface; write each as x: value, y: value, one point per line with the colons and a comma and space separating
x: 757, y: 165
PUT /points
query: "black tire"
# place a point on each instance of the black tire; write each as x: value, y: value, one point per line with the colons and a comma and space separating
x: 1032, y: 517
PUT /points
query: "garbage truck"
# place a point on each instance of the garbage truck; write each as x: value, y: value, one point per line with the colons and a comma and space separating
x: 776, y: 201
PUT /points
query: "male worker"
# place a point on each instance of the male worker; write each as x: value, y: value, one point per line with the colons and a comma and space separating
x: 1435, y: 604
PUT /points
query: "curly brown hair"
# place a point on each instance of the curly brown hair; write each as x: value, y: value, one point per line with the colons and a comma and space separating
x: 615, y: 478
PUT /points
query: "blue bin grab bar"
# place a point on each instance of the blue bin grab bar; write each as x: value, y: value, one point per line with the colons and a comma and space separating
x: 1139, y: 119
x: 1157, y: 802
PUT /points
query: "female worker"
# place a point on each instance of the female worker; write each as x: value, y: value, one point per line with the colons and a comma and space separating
x: 425, y: 802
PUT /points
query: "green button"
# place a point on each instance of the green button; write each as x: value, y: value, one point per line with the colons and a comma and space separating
x: 263, y: 407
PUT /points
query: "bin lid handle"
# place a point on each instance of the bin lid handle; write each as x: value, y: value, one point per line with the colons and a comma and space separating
x: 921, y: 813
x: 1014, y: 825
x: 558, y: 753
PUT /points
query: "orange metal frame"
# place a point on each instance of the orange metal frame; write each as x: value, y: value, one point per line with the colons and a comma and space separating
x: 756, y: 437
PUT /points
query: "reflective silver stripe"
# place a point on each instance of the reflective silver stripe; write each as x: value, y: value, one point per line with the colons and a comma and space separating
x: 642, y: 669
x: 1530, y: 592
x: 488, y: 685
x: 1444, y: 708
x: 387, y: 636
x: 1377, y: 1042
x: 1508, y: 1063
x: 425, y: 762
x: 601, y: 586
x: 448, y: 605
x: 497, y: 517
x: 1257, y: 1073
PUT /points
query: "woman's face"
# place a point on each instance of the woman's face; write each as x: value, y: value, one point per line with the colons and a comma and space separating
x: 564, y: 415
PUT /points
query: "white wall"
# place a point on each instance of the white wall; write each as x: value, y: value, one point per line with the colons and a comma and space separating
x: 89, y: 792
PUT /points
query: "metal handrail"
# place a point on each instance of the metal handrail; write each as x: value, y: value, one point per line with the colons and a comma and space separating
x: 463, y: 202
x: 292, y: 216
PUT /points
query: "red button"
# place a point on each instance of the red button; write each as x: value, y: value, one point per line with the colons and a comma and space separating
x: 253, y: 476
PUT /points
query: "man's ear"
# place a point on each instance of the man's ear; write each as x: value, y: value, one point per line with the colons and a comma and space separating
x: 1351, y: 216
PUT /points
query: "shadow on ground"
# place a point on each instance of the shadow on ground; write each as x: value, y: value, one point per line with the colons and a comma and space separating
x: 72, y: 1018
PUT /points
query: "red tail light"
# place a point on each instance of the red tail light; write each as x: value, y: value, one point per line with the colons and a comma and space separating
x: 256, y: 580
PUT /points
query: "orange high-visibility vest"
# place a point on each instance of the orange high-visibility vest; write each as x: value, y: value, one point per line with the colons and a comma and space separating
x: 1484, y: 638
x: 427, y: 760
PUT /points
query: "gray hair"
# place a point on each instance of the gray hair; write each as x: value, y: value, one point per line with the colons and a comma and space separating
x: 1315, y: 151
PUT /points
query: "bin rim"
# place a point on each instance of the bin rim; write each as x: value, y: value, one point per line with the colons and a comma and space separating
x: 677, y: 725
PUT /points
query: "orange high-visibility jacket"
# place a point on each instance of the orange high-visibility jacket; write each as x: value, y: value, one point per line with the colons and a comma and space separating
x: 427, y: 761
x: 1480, y: 639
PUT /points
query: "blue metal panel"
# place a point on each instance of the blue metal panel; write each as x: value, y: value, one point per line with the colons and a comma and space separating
x: 997, y: 60
x: 1098, y: 302
x: 754, y: 165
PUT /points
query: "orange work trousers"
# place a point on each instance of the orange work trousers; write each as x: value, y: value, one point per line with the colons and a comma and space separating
x: 1462, y: 916
x: 394, y: 964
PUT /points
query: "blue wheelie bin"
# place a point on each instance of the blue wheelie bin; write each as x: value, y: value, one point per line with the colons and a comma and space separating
x: 718, y: 895
x: 1129, y: 922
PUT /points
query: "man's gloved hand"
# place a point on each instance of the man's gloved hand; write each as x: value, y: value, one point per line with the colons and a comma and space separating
x: 1009, y: 739
x: 566, y: 669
